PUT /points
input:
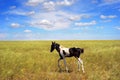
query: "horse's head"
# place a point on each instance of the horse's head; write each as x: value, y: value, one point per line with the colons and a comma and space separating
x: 53, y: 46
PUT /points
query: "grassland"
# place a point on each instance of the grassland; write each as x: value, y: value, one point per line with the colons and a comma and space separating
x: 32, y: 60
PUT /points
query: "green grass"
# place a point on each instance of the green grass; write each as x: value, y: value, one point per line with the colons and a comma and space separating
x: 32, y: 60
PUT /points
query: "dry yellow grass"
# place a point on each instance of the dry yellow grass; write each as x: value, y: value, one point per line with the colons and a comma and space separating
x: 32, y: 60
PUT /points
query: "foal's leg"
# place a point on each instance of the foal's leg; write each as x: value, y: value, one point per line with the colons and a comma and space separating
x: 81, y: 64
x: 65, y: 64
x: 59, y: 63
x: 78, y: 65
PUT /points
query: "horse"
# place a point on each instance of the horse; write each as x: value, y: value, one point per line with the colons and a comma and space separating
x: 68, y: 52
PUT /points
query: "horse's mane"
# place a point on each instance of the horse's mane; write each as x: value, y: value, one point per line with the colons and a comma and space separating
x: 61, y: 46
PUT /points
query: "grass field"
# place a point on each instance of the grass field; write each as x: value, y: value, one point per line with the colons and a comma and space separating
x: 32, y: 60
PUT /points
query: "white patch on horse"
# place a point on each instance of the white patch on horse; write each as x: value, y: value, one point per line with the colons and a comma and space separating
x: 66, y: 50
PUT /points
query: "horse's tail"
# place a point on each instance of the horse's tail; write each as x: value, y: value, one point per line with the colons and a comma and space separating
x: 80, y: 50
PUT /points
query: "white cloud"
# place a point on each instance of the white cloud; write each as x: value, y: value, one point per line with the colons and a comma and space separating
x: 51, y: 20
x: 106, y: 20
x: 117, y: 27
x: 81, y: 24
x: 108, y: 17
x: 27, y: 31
x: 78, y: 17
x: 40, y: 22
x: 112, y: 16
x: 34, y: 2
x: 109, y: 2
x: 45, y: 22
x: 54, y: 20
x: 21, y: 12
x: 30, y: 13
x: 94, y: 1
x: 75, y: 17
x: 103, y: 17
x: 49, y: 5
x: 15, y: 25
x: 65, y: 3
x: 12, y: 7
x: 50, y: 25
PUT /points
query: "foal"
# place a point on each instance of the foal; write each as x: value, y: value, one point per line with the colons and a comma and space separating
x: 68, y: 52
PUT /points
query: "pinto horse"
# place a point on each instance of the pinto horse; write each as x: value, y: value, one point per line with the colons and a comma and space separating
x: 68, y: 52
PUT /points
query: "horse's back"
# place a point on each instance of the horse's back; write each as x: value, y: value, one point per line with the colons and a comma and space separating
x: 75, y: 51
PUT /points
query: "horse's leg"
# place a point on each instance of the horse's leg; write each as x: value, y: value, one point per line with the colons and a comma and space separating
x: 65, y: 64
x: 59, y: 63
x: 78, y: 64
x: 81, y: 64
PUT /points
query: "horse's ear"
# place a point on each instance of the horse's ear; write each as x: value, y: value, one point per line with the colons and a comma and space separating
x: 52, y: 42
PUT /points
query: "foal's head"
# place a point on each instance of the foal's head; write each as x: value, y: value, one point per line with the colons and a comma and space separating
x: 54, y: 46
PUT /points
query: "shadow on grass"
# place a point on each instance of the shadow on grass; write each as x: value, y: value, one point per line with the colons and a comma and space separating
x: 64, y: 71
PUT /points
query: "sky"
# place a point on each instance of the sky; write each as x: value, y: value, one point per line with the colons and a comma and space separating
x: 59, y: 19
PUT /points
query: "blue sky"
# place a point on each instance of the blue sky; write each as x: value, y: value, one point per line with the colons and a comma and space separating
x: 59, y: 19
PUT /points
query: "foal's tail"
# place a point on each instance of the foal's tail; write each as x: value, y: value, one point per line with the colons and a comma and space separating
x: 82, y: 50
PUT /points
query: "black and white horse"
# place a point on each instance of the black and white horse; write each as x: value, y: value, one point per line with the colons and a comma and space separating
x: 68, y: 52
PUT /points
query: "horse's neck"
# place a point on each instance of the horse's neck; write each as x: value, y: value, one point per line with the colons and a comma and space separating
x: 62, y: 46
x: 58, y: 49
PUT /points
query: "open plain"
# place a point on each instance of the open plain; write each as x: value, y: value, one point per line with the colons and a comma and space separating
x: 32, y: 60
